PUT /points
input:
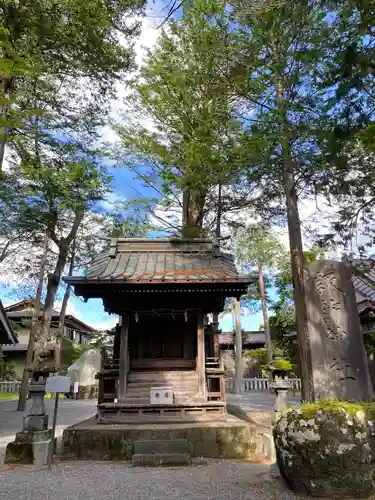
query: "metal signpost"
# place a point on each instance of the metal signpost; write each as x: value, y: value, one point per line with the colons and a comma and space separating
x: 56, y: 385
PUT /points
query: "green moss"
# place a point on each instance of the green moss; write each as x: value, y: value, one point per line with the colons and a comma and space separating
x: 283, y: 364
x: 336, y: 406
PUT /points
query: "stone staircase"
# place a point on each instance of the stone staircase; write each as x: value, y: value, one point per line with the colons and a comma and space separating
x: 161, y: 452
x: 183, y: 383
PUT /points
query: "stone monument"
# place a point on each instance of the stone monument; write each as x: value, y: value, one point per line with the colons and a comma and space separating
x: 339, y: 361
x: 32, y: 444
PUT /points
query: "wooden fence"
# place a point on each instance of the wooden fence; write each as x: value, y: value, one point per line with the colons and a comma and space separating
x: 260, y: 384
x: 248, y: 385
x: 13, y: 386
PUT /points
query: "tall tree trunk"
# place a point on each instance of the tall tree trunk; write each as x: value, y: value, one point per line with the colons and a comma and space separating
x: 55, y: 278
x: 185, y: 208
x: 64, y: 305
x: 219, y: 212
x: 193, y: 212
x: 238, y: 336
x: 296, y: 250
x: 6, y: 91
x: 34, y: 329
x: 267, y: 330
x: 12, y: 21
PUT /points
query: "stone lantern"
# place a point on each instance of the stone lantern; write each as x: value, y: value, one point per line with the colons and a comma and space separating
x: 32, y: 443
x: 280, y: 370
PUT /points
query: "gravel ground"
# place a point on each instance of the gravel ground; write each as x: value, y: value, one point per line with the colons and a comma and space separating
x: 259, y: 405
x: 209, y: 480
x: 214, y: 480
x: 258, y: 400
x: 69, y: 413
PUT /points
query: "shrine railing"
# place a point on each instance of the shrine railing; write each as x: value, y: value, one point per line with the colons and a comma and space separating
x: 260, y: 384
x: 11, y: 386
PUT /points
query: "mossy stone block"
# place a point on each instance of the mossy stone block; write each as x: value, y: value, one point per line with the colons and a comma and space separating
x: 327, y: 449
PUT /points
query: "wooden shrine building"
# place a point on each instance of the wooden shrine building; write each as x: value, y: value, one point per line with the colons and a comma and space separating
x: 164, y: 366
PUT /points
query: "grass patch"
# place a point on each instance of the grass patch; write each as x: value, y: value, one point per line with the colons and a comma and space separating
x: 5, y: 396
x: 11, y: 396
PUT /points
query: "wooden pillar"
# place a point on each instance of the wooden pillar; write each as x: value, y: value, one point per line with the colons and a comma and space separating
x: 216, y: 345
x: 116, y: 344
x: 238, y: 335
x: 201, y: 361
x: 123, y: 370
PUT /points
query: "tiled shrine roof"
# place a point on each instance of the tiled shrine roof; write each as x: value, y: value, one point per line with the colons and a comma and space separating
x: 162, y: 261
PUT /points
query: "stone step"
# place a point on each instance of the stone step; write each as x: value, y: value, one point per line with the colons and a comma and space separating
x: 160, y: 459
x: 150, y: 446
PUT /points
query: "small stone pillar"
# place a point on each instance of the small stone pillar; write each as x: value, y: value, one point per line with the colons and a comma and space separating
x: 280, y: 385
x: 32, y: 444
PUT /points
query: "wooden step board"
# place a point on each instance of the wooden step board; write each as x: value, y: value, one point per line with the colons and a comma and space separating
x: 136, y: 413
x: 184, y: 385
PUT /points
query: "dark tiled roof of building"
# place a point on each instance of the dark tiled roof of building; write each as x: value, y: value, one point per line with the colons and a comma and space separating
x: 228, y: 338
x: 162, y: 260
x: 365, y: 284
x: 70, y: 320
x: 7, y: 335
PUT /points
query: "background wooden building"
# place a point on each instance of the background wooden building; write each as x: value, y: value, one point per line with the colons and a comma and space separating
x: 20, y: 314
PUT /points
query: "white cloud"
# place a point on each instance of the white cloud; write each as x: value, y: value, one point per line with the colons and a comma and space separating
x: 70, y: 309
x: 147, y: 40
x: 104, y: 324
x: 110, y: 201
x: 315, y: 215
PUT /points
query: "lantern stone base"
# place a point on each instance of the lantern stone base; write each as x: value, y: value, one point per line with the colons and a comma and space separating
x: 328, y: 449
x: 29, y: 447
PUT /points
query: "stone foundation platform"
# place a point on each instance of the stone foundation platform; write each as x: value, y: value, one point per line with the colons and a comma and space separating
x: 232, y: 438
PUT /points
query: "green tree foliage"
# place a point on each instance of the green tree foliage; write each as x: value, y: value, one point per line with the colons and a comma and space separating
x: 103, y: 338
x: 258, y: 244
x: 196, y: 138
x: 70, y: 352
x: 56, y: 49
x: 6, y: 368
x: 257, y: 358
